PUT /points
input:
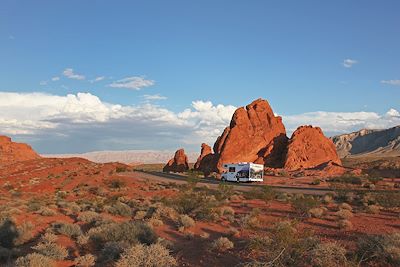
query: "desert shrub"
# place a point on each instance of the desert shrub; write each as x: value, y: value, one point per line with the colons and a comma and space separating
x: 120, y: 209
x: 251, y: 220
x: 146, y: 256
x: 155, y: 222
x: 224, y: 192
x: 198, y: 205
x: 140, y: 215
x: 34, y: 260
x: 373, y: 209
x: 129, y: 232
x: 67, y: 229
x: 87, y: 260
x: 117, y: 184
x: 120, y: 169
x: 345, y: 224
x: 347, y: 180
x: 51, y: 250
x: 8, y: 233
x: 89, y: 217
x: 388, y: 199
x: 344, y: 214
x: 112, y: 251
x: 303, y: 205
x: 345, y: 206
x: 24, y: 233
x: 222, y: 244
x: 265, y: 193
x: 328, y: 255
x: 327, y: 199
x: 316, y: 212
x: 186, y: 221
x: 44, y: 211
x: 226, y: 211
x: 379, y: 249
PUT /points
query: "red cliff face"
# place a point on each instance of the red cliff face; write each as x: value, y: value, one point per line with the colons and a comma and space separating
x: 309, y: 148
x: 254, y: 135
x: 179, y: 163
x: 11, y: 152
x: 206, y: 161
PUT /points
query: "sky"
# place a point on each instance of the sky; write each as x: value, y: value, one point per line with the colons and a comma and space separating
x: 79, y: 76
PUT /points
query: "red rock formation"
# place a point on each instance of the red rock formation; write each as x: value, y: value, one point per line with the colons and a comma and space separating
x: 205, y: 162
x: 11, y: 152
x: 254, y: 135
x: 309, y: 148
x: 179, y: 163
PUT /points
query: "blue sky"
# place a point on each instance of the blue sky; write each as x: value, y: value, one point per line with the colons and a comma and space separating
x: 227, y: 52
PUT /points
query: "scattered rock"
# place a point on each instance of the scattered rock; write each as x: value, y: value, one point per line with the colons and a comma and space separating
x: 205, y: 162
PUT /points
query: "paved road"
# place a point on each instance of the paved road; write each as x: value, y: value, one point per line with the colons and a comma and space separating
x: 169, y: 177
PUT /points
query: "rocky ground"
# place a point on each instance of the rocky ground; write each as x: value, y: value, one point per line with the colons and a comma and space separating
x: 72, y: 212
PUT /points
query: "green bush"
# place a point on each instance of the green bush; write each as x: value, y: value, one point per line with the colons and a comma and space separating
x: 130, y: 232
x: 303, y: 205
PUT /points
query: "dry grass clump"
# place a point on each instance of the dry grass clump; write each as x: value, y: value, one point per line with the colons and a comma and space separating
x: 155, y: 222
x: 316, y: 212
x: 49, y: 248
x: 252, y: 220
x: 328, y: 255
x: 373, y: 209
x: 67, y: 229
x: 327, y: 199
x: 345, y: 225
x: 222, y: 244
x: 345, y: 206
x: 87, y: 260
x: 140, y: 215
x: 89, y: 217
x: 44, y: 211
x: 186, y: 221
x: 379, y: 250
x: 146, y: 256
x: 226, y: 211
x: 34, y: 260
x: 344, y: 214
x: 24, y: 233
x: 120, y: 209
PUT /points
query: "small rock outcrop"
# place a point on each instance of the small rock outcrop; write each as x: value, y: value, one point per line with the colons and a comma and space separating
x: 309, y: 148
x: 11, y: 152
x: 179, y: 163
x: 205, y: 162
x: 255, y: 134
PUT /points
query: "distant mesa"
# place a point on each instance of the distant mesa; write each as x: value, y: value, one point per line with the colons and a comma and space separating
x: 255, y: 134
x: 11, y: 152
x: 179, y: 163
x: 369, y: 143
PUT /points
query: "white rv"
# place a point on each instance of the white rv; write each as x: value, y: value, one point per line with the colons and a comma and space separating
x: 243, y: 172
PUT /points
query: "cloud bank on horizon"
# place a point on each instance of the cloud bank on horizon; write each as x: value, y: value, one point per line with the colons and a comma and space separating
x: 82, y: 122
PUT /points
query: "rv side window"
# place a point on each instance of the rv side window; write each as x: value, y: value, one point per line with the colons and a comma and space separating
x: 232, y: 169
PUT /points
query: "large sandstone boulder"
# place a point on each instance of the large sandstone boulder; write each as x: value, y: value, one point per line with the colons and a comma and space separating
x: 179, y: 163
x: 206, y: 161
x: 309, y: 148
x: 11, y: 152
x: 254, y: 135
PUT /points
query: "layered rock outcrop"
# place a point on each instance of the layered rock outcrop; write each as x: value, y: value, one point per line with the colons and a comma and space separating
x: 11, y: 152
x: 309, y: 148
x: 254, y: 135
x: 179, y: 163
x: 206, y: 161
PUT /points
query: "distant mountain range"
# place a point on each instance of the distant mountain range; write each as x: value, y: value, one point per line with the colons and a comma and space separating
x: 128, y: 156
x: 374, y: 143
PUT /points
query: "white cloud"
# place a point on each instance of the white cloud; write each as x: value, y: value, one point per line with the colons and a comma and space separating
x: 334, y: 123
x: 91, y: 123
x: 135, y: 83
x: 69, y: 73
x: 391, y: 82
x: 97, y: 79
x: 54, y: 79
x: 43, y: 83
x: 348, y: 63
x: 154, y: 97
